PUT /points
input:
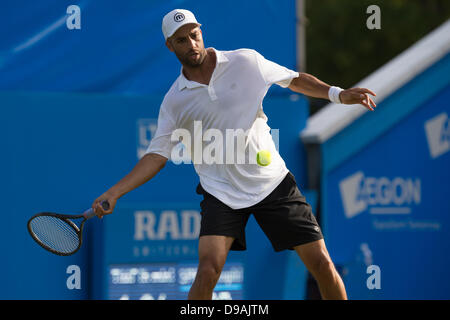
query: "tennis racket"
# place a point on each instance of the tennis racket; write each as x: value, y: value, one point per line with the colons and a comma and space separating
x: 58, y: 233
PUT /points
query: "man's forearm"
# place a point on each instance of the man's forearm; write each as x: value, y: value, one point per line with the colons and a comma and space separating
x: 145, y: 169
x: 309, y: 85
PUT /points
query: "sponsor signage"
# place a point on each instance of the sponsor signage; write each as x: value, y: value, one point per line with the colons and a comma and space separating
x: 154, y: 232
x: 388, y: 206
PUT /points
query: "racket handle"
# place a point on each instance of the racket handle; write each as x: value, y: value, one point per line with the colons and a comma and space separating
x: 91, y: 213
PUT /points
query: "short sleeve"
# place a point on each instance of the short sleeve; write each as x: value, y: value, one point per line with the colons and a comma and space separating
x: 161, y: 142
x: 274, y: 73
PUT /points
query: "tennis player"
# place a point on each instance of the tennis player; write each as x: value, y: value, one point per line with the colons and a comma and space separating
x: 224, y: 90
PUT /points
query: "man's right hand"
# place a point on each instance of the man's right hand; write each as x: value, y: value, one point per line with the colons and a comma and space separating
x: 96, y: 205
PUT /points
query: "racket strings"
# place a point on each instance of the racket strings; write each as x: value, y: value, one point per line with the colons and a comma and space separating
x: 55, y: 233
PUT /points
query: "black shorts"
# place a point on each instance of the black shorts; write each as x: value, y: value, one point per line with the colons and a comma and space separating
x: 284, y: 216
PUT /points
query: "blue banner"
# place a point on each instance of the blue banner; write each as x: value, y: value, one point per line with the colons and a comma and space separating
x: 118, y: 46
x: 387, y: 208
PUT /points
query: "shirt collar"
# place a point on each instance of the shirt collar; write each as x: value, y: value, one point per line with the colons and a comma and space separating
x: 185, y: 83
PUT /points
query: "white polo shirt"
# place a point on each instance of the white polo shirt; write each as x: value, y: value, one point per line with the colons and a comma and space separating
x: 231, y: 103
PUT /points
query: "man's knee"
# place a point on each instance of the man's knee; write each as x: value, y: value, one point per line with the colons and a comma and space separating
x: 324, y: 268
x: 316, y: 258
x: 209, y: 270
x: 213, y: 251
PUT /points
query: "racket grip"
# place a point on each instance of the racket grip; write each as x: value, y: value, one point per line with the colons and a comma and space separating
x: 91, y: 213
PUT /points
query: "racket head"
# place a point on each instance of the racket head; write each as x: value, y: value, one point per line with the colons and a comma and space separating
x: 56, y: 233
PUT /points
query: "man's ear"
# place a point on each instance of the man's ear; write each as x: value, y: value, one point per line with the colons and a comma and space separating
x: 169, y: 45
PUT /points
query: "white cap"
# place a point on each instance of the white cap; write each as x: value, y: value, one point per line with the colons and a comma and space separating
x: 176, y: 19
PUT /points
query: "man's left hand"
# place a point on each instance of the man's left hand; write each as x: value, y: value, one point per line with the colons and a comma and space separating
x: 358, y: 95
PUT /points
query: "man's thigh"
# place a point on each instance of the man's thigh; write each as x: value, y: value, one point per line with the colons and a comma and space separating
x: 214, y: 250
x: 313, y: 254
x: 286, y: 218
x: 218, y: 219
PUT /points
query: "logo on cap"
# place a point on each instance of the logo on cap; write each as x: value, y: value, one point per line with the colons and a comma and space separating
x: 178, y: 17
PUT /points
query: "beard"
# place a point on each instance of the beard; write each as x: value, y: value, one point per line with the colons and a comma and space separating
x: 189, y: 60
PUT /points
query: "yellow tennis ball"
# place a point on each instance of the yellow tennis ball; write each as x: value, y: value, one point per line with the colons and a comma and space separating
x: 263, y: 158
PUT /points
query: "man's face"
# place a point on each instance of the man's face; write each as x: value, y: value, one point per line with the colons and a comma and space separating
x: 187, y: 44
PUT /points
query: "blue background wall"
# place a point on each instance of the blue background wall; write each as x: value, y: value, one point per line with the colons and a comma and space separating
x: 120, y: 47
x: 399, y: 193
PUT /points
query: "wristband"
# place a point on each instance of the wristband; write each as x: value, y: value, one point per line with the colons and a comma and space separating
x: 333, y: 94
